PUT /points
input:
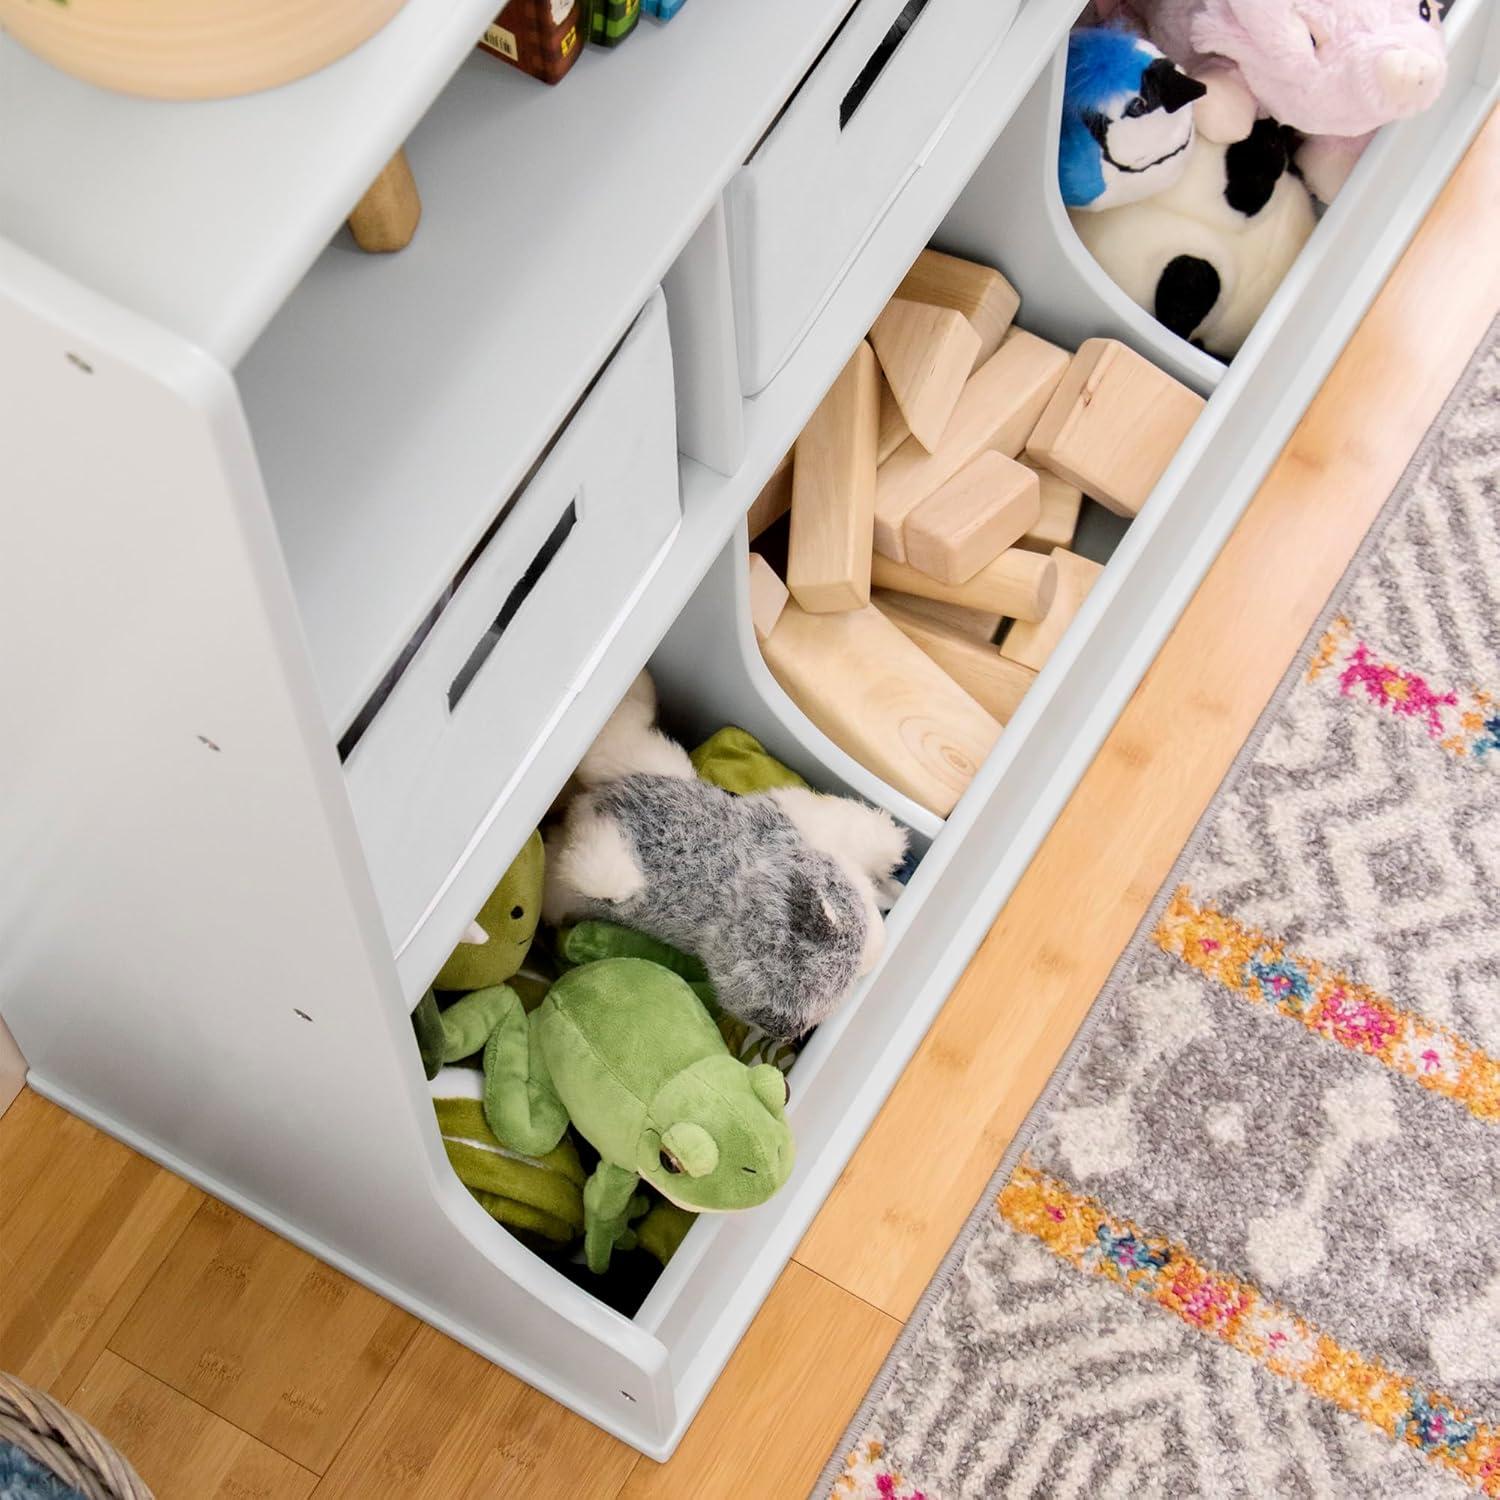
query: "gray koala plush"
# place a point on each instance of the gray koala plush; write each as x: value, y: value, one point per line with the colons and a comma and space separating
x: 779, y: 894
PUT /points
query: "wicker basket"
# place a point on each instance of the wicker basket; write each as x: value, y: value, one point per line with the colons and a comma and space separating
x: 190, y: 49
x: 63, y: 1442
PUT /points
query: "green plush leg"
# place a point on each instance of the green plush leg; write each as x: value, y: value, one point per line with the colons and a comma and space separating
x: 467, y: 1023
x: 427, y: 1022
x: 610, y: 1201
x: 520, y: 1103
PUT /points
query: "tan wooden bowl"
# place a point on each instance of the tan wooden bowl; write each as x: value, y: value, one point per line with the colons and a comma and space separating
x: 193, y: 49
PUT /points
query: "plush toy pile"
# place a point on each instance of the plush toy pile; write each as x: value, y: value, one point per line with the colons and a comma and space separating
x: 1198, y: 136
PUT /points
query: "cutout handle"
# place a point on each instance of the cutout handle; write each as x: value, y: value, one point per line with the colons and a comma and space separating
x: 875, y: 64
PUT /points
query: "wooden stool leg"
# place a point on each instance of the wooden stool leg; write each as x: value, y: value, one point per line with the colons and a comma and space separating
x: 386, y: 217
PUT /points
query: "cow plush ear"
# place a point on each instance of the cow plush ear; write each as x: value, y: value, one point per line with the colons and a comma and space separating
x: 690, y: 1148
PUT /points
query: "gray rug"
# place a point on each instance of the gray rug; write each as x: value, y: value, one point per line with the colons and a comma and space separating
x: 1248, y: 1241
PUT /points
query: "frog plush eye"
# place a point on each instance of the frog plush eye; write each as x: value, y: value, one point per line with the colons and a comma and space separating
x: 691, y: 1147
x: 668, y: 1162
x: 771, y: 1088
x: 517, y: 912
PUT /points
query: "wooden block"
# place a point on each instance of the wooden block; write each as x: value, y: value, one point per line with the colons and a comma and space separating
x: 893, y: 428
x: 768, y: 596
x: 1000, y: 405
x: 995, y: 684
x: 1113, y: 425
x: 1061, y: 503
x: 982, y: 295
x: 386, y: 217
x: 774, y: 500
x: 1019, y: 585
x: 1030, y: 643
x: 927, y: 353
x: 883, y: 700
x: 985, y: 508
x: 833, y: 493
x: 976, y: 624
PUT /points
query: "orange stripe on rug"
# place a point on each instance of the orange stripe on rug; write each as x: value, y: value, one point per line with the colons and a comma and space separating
x: 1258, y: 968
x: 1080, y: 1231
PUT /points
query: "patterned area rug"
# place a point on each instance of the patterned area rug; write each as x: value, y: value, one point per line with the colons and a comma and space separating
x: 1248, y: 1242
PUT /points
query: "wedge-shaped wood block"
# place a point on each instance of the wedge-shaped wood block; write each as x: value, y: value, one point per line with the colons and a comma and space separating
x: 775, y: 498
x: 976, y: 624
x: 1061, y: 501
x: 893, y: 428
x: 995, y: 684
x: 882, y: 700
x: 833, y: 492
x: 927, y: 353
x: 1000, y: 405
x: 386, y: 218
x: 987, y: 506
x: 768, y: 596
x: 1113, y: 425
x: 982, y: 295
x: 1018, y: 584
x: 1030, y: 643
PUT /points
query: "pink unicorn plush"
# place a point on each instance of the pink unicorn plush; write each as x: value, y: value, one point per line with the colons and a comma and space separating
x: 1335, y: 70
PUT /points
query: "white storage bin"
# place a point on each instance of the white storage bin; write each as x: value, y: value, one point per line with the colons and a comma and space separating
x: 520, y: 631
x: 818, y: 182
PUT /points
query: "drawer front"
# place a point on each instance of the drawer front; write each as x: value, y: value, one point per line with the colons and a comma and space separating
x: 521, y: 630
x: 855, y: 132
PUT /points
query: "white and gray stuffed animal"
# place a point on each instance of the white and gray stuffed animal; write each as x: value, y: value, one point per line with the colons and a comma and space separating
x: 779, y: 894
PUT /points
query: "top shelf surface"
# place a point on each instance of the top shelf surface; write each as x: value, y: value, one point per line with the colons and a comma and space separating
x: 204, y: 216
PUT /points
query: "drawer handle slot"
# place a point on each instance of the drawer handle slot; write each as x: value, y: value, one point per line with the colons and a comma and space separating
x: 513, y: 602
x: 875, y: 65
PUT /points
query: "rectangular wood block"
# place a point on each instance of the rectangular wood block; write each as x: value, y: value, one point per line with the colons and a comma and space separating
x: 980, y: 293
x: 999, y: 406
x: 1061, y: 502
x: 976, y: 624
x: 893, y: 428
x: 996, y: 684
x: 774, y: 500
x: 927, y: 353
x: 1113, y: 425
x: 833, y: 492
x: 882, y: 700
x: 987, y: 506
x: 1030, y: 643
x: 1018, y: 584
x: 768, y: 596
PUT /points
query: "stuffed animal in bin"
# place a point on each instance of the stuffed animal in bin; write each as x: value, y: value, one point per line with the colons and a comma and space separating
x: 1127, y: 120
x: 1205, y: 256
x: 780, y: 894
x: 624, y: 1051
x: 1335, y: 70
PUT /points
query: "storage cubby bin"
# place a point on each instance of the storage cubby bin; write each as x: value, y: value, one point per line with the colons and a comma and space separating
x: 216, y: 930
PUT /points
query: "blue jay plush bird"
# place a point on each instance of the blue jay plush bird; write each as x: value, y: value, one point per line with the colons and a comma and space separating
x: 1126, y: 124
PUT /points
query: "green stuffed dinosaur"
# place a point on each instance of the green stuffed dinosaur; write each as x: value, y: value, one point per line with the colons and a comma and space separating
x: 625, y: 1050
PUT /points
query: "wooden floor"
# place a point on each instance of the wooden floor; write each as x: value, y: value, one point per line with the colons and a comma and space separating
x: 226, y: 1363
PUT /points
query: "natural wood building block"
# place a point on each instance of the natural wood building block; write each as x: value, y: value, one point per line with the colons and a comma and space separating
x: 1030, y: 643
x: 976, y: 624
x: 768, y: 596
x: 1113, y: 425
x: 995, y: 684
x: 927, y: 353
x: 833, y: 492
x: 893, y: 428
x: 982, y: 295
x: 1000, y: 405
x: 1061, y: 502
x: 985, y: 508
x: 1018, y: 584
x: 386, y: 217
x: 774, y: 500
x: 883, y: 700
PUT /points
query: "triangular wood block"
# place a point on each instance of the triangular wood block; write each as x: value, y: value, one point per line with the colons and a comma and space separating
x: 927, y: 353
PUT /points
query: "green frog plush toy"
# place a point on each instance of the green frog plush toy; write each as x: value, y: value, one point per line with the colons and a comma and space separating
x: 625, y: 1050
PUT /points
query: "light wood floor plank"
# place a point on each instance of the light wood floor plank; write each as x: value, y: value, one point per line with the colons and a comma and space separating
x: 180, y: 1449
x: 84, y: 1223
x: 782, y: 1400
x: 265, y: 1336
x: 907, y: 1190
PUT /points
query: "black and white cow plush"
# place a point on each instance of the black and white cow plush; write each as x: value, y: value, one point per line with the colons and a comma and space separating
x: 1205, y: 255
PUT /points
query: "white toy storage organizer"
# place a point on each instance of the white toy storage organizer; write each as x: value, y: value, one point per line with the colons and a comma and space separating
x: 244, y: 476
